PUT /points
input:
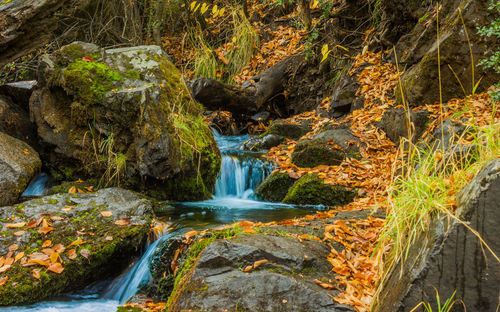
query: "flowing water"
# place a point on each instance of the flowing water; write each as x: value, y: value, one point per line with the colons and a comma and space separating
x: 234, y: 200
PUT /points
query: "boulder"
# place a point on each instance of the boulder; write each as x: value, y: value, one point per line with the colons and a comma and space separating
x: 449, y: 257
x: 418, y: 51
x: 329, y: 148
x: 275, y: 187
x: 19, y: 163
x: 263, y: 143
x: 19, y: 91
x: 310, y: 190
x: 124, y: 116
x: 287, y: 130
x: 446, y: 134
x: 95, y: 235
x: 284, y: 283
x: 15, y: 121
x: 395, y: 125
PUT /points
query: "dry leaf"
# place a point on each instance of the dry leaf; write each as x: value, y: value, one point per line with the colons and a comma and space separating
x: 56, y: 218
x: 19, y: 233
x: 324, y: 285
x: 56, y: 268
x: 5, y: 268
x: 248, y: 268
x: 77, y: 242
x: 109, y: 238
x: 59, y: 248
x: 3, y: 280
x: 18, y: 256
x: 54, y: 257
x: 72, y: 190
x: 9, y: 261
x: 71, y: 254
x: 36, y: 273
x: 258, y: 263
x: 13, y: 247
x: 106, y: 213
x: 45, y: 230
x: 15, y: 225
x: 47, y: 243
x: 122, y: 222
x: 85, y: 253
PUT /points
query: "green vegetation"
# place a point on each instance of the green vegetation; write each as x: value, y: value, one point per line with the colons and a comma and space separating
x: 493, y: 30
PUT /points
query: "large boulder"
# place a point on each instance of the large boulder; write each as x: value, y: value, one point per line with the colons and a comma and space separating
x: 95, y: 236
x: 124, y: 116
x: 283, y: 283
x: 395, y: 124
x: 310, y: 190
x: 450, y: 257
x: 329, y: 148
x: 418, y: 51
x: 18, y: 165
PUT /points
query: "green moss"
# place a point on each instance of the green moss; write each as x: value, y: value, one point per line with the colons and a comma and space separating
x: 312, y: 153
x: 290, y: 131
x: 275, y: 187
x: 129, y: 309
x: 310, y: 190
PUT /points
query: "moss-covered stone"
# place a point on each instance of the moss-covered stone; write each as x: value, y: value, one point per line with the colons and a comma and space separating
x: 312, y: 153
x: 110, y: 246
x: 310, y: 190
x: 287, y: 130
x: 275, y: 187
x: 125, y: 117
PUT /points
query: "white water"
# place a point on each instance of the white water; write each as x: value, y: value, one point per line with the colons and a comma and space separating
x: 234, y: 200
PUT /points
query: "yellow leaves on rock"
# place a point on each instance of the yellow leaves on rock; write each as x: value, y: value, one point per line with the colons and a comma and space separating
x: 106, y: 213
x: 45, y: 230
x: 56, y: 268
x: 122, y: 222
x: 15, y: 225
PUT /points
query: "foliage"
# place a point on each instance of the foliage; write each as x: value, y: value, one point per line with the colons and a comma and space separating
x: 493, y: 62
x: 446, y: 307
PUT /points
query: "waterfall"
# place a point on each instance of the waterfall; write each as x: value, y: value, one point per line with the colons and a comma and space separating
x: 38, y: 186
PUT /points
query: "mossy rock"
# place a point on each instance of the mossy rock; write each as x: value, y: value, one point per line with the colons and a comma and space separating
x: 310, y: 190
x: 312, y: 153
x: 287, y: 130
x: 126, y: 118
x: 275, y: 187
x: 110, y: 247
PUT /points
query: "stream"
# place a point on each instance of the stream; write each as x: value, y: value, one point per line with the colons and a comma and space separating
x: 234, y: 200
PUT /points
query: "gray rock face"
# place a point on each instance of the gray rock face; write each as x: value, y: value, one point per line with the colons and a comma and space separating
x: 18, y: 165
x: 264, y: 143
x: 394, y: 124
x: 450, y: 257
x: 124, y: 116
x: 447, y: 133
x: 109, y: 246
x: 285, y: 283
x: 15, y: 121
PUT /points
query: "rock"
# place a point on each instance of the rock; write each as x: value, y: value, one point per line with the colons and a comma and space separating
x: 105, y: 248
x: 19, y: 163
x: 261, y: 117
x: 394, y: 123
x: 448, y: 132
x: 275, y: 187
x: 449, y: 257
x: 284, y: 283
x: 310, y: 190
x: 263, y: 143
x: 329, y: 148
x: 124, y: 116
x: 287, y: 130
x: 19, y: 91
x: 222, y: 122
x: 344, y: 98
x: 418, y: 52
x: 15, y: 122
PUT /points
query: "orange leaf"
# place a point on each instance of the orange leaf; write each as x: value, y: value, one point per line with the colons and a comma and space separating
x: 19, y: 233
x: 9, y: 261
x: 47, y: 243
x: 72, y: 254
x: 248, y: 268
x: 72, y: 190
x: 3, y: 280
x: 45, y: 230
x: 19, y: 256
x: 54, y: 257
x: 77, y: 242
x: 36, y: 273
x: 190, y: 234
x: 59, y: 248
x: 56, y: 268
x: 122, y: 222
x: 13, y: 247
x: 5, y: 268
x: 258, y: 263
x: 15, y: 225
x: 324, y: 285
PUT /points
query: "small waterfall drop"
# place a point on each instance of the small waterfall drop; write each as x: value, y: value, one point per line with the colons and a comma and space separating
x: 38, y: 186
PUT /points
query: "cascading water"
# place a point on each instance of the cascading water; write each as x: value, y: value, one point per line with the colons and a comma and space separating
x: 234, y: 200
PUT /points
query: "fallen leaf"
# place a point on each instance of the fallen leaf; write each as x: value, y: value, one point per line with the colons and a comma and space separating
x: 67, y: 208
x: 59, y: 248
x: 18, y: 256
x: 56, y: 268
x: 5, y: 268
x: 9, y: 261
x: 32, y: 224
x: 190, y: 234
x: 85, y: 253
x: 324, y: 285
x: 54, y: 257
x: 19, y: 233
x: 15, y: 225
x: 122, y: 222
x: 77, y: 242
x: 46, y: 230
x: 3, y: 280
x: 71, y: 254
x: 13, y: 247
x: 36, y: 273
x: 258, y: 263
x: 109, y: 238
x: 47, y: 243
x: 106, y: 213
x: 56, y: 218
x: 248, y: 268
x: 72, y: 190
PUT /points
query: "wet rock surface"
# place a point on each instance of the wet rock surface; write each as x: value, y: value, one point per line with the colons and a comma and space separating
x: 19, y: 163
x: 284, y: 283
x: 449, y: 257
x: 110, y: 246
